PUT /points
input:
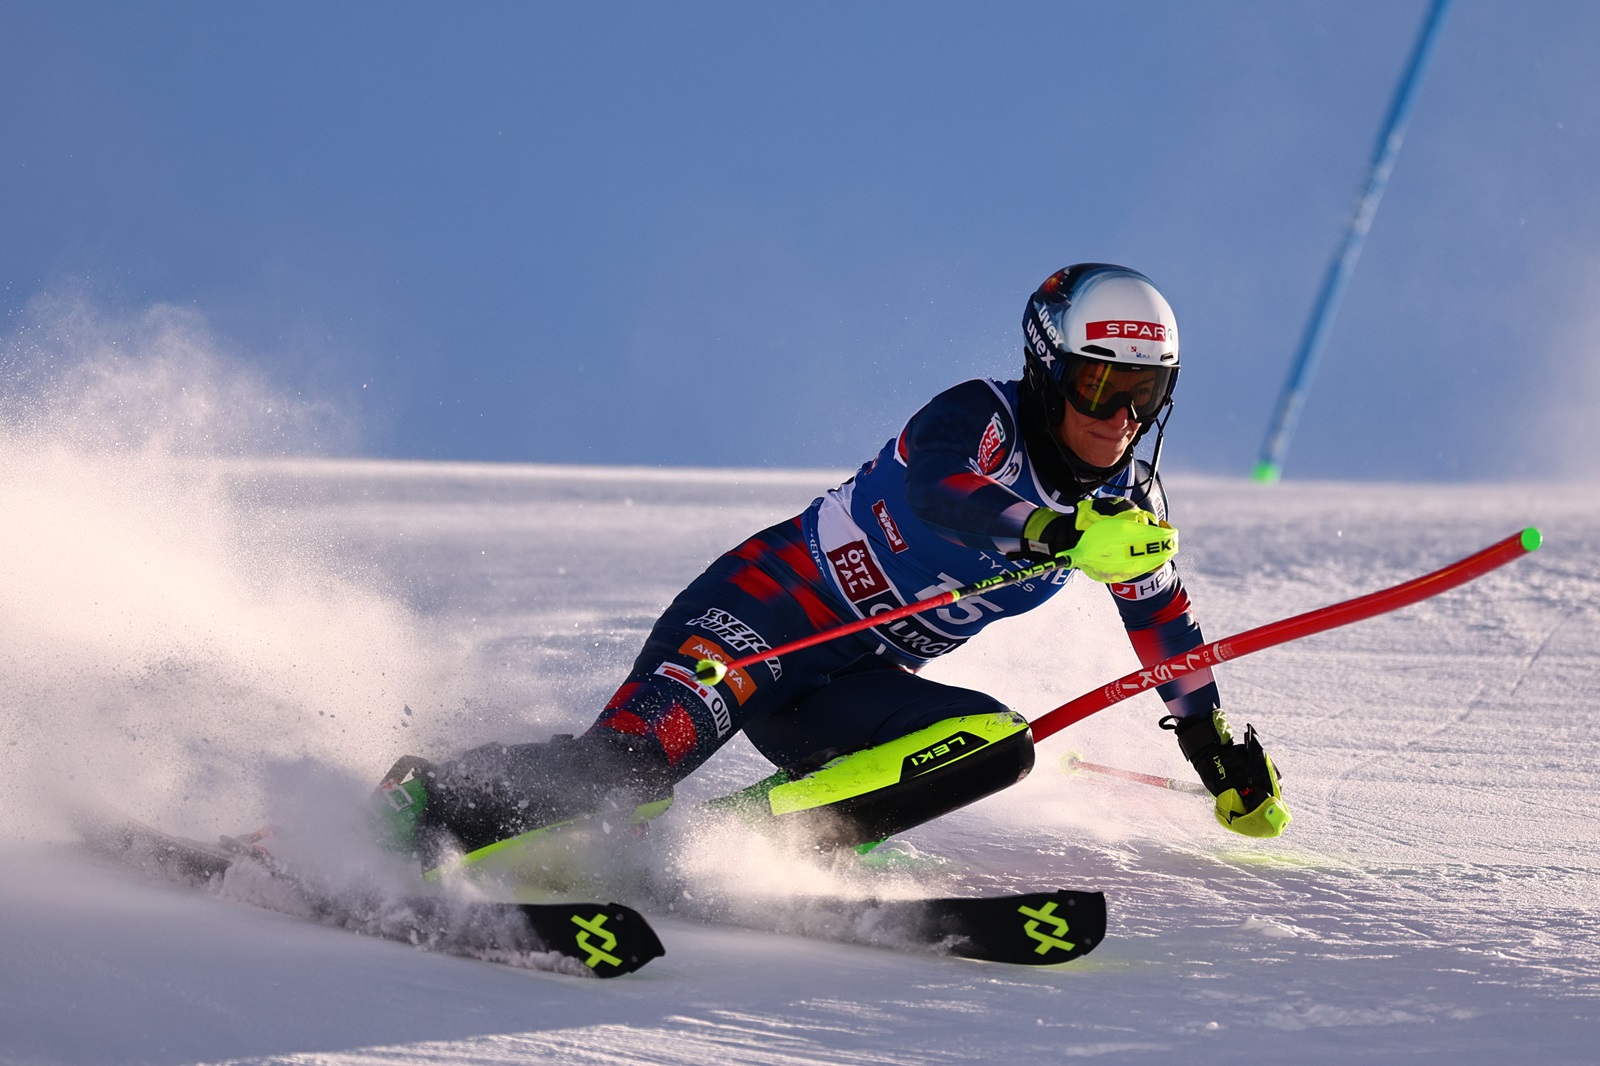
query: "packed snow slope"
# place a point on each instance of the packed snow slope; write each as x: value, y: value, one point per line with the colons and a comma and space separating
x: 210, y: 646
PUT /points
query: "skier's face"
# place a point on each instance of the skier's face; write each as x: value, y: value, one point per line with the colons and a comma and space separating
x: 1097, y: 441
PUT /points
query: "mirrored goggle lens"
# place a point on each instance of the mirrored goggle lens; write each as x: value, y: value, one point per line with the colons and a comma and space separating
x: 1100, y: 390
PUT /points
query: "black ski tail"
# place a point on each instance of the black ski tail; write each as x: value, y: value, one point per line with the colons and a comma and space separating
x: 608, y: 938
x: 603, y: 939
x: 159, y: 854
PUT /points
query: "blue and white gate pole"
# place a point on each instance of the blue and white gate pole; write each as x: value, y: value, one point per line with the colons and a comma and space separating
x: 1270, y: 466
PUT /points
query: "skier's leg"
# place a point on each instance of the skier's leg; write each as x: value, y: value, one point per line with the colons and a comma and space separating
x: 498, y: 791
x: 870, y: 702
x: 765, y: 592
x: 879, y: 751
x: 661, y: 724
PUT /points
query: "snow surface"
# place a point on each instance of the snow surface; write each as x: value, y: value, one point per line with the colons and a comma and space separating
x: 211, y: 645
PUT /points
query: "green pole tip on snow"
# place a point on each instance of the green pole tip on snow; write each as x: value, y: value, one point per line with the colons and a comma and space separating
x: 1531, y: 539
x: 1266, y: 473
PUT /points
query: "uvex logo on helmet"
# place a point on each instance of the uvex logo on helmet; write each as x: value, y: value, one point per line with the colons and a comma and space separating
x: 1040, y: 348
x: 1126, y: 329
x: 1047, y: 323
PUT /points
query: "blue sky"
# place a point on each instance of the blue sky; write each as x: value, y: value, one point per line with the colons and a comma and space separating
x: 745, y: 234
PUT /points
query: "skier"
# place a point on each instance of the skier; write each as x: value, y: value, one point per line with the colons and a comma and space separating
x: 988, y: 477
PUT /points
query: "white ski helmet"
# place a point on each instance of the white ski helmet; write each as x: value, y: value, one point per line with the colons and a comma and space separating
x: 1102, y: 338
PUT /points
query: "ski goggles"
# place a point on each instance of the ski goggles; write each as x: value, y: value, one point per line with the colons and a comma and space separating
x: 1100, y: 389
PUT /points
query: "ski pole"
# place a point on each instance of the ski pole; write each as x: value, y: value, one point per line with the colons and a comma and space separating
x: 1072, y: 762
x: 711, y: 672
x: 1301, y: 625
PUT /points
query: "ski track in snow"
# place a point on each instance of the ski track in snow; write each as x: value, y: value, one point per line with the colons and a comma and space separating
x: 1435, y: 898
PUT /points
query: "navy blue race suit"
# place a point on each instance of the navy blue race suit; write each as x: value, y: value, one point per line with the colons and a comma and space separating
x: 939, y: 507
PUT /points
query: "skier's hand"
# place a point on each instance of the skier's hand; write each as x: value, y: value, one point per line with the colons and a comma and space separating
x: 1108, y: 538
x: 1241, y: 776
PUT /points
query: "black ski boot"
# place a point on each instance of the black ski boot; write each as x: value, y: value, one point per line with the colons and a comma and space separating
x: 499, y: 791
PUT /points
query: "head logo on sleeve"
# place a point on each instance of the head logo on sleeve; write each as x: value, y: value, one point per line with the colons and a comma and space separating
x: 1145, y: 587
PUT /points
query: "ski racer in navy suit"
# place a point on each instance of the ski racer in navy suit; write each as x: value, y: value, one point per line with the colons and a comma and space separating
x: 988, y: 477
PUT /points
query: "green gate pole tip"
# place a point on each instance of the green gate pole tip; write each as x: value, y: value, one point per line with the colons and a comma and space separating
x: 1265, y: 473
x: 1531, y: 539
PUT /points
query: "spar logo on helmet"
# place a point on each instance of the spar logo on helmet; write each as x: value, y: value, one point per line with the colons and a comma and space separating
x: 1126, y: 329
x: 1047, y: 322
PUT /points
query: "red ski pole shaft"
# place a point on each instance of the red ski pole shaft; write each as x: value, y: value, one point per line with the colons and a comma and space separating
x: 710, y: 671
x: 1281, y: 632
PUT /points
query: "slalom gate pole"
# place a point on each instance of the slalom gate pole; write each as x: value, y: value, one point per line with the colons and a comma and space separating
x: 1275, y: 447
x: 711, y: 672
x: 1281, y: 632
x: 1072, y: 762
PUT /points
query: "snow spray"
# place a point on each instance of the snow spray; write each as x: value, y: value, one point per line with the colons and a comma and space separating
x: 168, y: 636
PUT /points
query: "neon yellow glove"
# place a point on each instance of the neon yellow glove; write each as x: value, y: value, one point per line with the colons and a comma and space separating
x: 1109, y: 539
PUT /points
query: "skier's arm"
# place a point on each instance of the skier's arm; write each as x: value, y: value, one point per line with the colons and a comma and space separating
x: 1160, y: 622
x: 1240, y: 775
x: 947, y: 447
x: 952, y: 446
x: 1156, y: 613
